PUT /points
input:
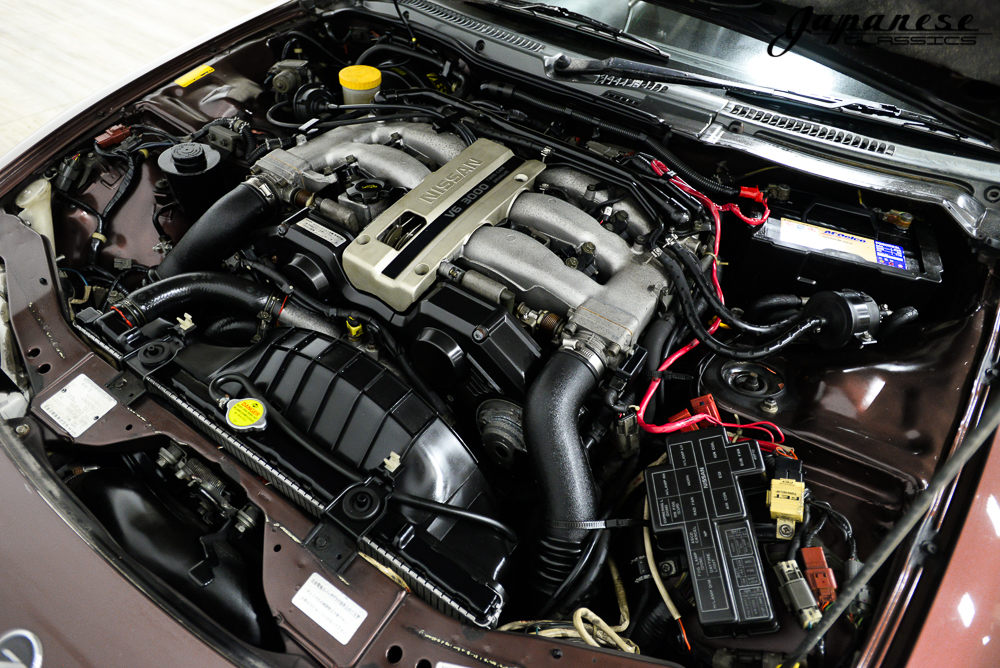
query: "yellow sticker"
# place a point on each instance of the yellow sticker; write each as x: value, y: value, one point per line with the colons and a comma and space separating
x: 245, y: 412
x: 195, y: 74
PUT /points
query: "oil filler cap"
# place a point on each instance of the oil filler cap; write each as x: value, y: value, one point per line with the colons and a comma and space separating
x: 246, y: 414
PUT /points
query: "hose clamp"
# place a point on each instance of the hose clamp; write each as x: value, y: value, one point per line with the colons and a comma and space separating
x: 135, y: 315
x: 268, y: 316
x: 585, y: 350
x: 264, y: 189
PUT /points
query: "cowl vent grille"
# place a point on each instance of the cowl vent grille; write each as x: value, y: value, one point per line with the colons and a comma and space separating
x: 463, y: 21
x: 814, y: 130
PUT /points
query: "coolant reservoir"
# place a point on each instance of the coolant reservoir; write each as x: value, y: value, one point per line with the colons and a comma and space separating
x: 36, y: 200
x: 360, y: 83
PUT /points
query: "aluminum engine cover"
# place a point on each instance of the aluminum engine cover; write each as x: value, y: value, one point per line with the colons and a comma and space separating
x: 396, y: 257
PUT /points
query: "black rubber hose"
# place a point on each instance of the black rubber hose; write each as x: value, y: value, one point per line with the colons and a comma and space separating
x: 157, y: 225
x: 901, y: 529
x: 707, y: 290
x: 218, y: 233
x: 269, y: 145
x: 232, y: 330
x: 772, y: 303
x: 655, y: 338
x: 434, y: 61
x: 897, y: 320
x: 199, y: 292
x: 692, y: 320
x: 98, y: 218
x: 657, y: 148
x: 123, y: 186
x: 653, y: 629
x: 565, y: 479
x: 587, y: 577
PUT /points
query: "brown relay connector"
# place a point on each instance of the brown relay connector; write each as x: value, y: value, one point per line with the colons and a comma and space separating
x: 113, y: 136
x: 819, y: 575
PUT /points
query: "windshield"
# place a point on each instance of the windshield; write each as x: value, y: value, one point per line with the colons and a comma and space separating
x: 702, y: 47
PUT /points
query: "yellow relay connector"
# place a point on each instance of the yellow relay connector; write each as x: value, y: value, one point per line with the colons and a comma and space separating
x: 787, y: 496
x: 354, y: 329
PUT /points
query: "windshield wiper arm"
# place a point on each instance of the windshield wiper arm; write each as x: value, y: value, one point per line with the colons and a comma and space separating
x: 570, y: 19
x: 566, y: 66
x: 902, y: 118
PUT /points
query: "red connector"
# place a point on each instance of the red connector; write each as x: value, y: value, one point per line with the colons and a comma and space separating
x: 683, y: 415
x: 752, y: 193
x: 113, y: 136
x: 819, y: 575
x: 706, y: 405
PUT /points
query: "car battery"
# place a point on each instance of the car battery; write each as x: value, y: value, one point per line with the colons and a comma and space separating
x: 825, y: 245
x: 697, y: 497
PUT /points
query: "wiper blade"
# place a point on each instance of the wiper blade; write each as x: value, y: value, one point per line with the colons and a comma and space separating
x: 566, y: 66
x: 570, y: 19
x: 909, y: 119
x: 902, y: 118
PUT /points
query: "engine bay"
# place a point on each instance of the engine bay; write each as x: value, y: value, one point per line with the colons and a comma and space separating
x: 545, y: 366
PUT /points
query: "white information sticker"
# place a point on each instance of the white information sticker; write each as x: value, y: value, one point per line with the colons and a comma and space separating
x: 79, y: 405
x: 821, y: 238
x: 329, y: 607
x: 322, y: 231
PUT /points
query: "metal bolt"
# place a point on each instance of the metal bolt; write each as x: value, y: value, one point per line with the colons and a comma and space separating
x: 322, y: 542
x: 736, y: 127
x: 785, y: 531
x: 610, y: 227
x: 667, y: 568
x: 120, y: 383
x: 22, y: 430
x: 479, y: 334
x: 769, y: 405
x: 572, y: 262
x: 588, y: 248
x: 246, y: 518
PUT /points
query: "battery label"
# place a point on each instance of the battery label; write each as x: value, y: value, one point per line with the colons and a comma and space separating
x: 890, y: 255
x: 818, y: 238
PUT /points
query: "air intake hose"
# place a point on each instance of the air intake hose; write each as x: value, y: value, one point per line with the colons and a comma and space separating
x: 220, y: 231
x: 560, y: 464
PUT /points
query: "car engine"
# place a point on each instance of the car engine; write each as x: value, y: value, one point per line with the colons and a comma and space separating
x: 546, y: 366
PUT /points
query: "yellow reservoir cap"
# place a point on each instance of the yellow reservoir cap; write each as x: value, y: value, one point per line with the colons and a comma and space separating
x: 360, y: 77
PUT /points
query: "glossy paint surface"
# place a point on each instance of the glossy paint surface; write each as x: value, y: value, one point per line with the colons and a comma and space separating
x: 963, y: 625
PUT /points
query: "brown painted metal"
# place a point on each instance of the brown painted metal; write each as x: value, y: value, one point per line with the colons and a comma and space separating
x: 963, y: 625
x: 104, y: 112
x: 39, y: 325
x: 399, y: 619
x: 85, y: 613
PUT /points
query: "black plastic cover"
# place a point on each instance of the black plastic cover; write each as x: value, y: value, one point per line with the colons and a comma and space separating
x: 698, y: 493
x: 353, y: 407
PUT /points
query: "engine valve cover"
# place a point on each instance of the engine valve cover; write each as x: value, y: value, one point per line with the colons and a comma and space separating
x: 396, y: 257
